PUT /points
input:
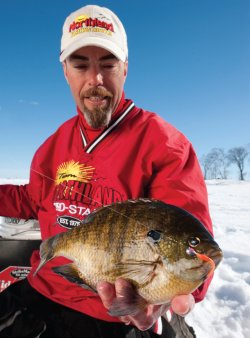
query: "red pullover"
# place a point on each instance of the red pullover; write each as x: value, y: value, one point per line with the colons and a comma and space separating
x: 78, y: 169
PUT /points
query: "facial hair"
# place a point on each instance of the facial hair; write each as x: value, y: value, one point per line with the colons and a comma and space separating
x: 98, y: 117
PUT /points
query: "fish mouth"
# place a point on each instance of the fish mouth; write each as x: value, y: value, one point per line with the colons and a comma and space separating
x: 200, y: 271
x: 206, y: 264
x: 216, y: 256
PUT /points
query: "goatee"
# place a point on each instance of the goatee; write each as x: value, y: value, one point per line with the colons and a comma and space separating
x: 98, y: 117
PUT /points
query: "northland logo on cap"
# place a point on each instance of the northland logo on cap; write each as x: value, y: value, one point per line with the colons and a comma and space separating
x: 94, y: 26
x: 85, y: 23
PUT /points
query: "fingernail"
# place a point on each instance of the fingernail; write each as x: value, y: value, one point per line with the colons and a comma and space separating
x: 189, y: 305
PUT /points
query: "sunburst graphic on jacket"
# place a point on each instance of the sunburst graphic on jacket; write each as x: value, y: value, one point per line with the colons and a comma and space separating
x: 74, y: 171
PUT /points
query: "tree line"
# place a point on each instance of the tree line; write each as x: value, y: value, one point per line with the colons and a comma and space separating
x: 215, y: 164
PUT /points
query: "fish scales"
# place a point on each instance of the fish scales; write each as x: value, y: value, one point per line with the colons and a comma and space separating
x: 158, y: 247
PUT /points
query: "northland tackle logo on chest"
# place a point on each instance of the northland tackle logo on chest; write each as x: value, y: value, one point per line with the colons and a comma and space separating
x: 77, y: 193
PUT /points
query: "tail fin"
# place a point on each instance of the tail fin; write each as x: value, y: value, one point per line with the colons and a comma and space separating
x: 47, y: 251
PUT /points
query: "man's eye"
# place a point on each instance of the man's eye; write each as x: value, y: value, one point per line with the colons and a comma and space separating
x: 108, y: 66
x: 81, y: 66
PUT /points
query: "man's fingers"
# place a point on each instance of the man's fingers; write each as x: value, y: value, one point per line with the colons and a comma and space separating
x: 145, y: 315
x: 107, y: 293
x: 123, y: 288
x: 182, y: 305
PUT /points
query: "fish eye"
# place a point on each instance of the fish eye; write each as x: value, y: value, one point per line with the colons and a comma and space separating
x: 154, y: 235
x: 194, y: 241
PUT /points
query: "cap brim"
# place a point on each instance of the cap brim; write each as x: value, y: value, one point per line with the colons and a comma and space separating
x: 93, y: 41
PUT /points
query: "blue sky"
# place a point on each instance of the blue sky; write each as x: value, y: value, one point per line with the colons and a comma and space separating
x: 188, y: 62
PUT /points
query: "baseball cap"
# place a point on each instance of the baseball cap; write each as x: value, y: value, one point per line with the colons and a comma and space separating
x: 93, y: 25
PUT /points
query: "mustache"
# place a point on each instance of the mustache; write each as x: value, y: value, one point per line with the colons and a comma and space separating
x: 97, y: 91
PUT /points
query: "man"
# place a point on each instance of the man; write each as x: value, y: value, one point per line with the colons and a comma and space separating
x: 111, y: 151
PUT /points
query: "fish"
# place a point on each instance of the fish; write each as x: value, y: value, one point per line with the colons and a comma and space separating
x: 161, y: 249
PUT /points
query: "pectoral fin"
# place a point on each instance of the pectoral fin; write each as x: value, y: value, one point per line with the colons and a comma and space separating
x: 141, y: 272
x: 71, y: 273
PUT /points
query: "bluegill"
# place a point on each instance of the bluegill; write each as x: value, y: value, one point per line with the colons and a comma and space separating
x: 161, y: 249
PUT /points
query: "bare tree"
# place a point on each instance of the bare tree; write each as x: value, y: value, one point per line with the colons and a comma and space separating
x: 215, y: 164
x: 207, y: 162
x: 220, y: 162
x: 206, y: 166
x: 238, y: 156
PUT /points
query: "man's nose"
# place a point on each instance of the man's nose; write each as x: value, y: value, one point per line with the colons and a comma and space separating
x: 95, y: 77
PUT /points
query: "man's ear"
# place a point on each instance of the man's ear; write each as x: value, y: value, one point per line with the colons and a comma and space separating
x: 126, y: 68
x: 64, y: 65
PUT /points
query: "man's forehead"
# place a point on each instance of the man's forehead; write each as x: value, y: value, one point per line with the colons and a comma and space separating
x: 89, y: 52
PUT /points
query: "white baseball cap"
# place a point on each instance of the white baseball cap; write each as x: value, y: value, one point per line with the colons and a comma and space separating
x: 94, y: 26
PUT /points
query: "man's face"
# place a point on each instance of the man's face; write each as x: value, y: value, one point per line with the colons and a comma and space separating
x: 96, y: 79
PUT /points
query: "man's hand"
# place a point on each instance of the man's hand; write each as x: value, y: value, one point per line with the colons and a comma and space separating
x: 144, y: 318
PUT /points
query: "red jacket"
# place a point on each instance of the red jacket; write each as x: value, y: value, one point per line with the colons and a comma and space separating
x: 77, y: 170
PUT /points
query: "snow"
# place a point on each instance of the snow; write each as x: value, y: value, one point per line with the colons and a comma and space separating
x: 225, y: 312
x: 12, y: 181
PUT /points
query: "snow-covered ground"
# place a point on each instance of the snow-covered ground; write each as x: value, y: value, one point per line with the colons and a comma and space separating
x: 225, y: 313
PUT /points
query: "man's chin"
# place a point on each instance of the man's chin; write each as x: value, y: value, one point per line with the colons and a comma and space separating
x: 97, y: 118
